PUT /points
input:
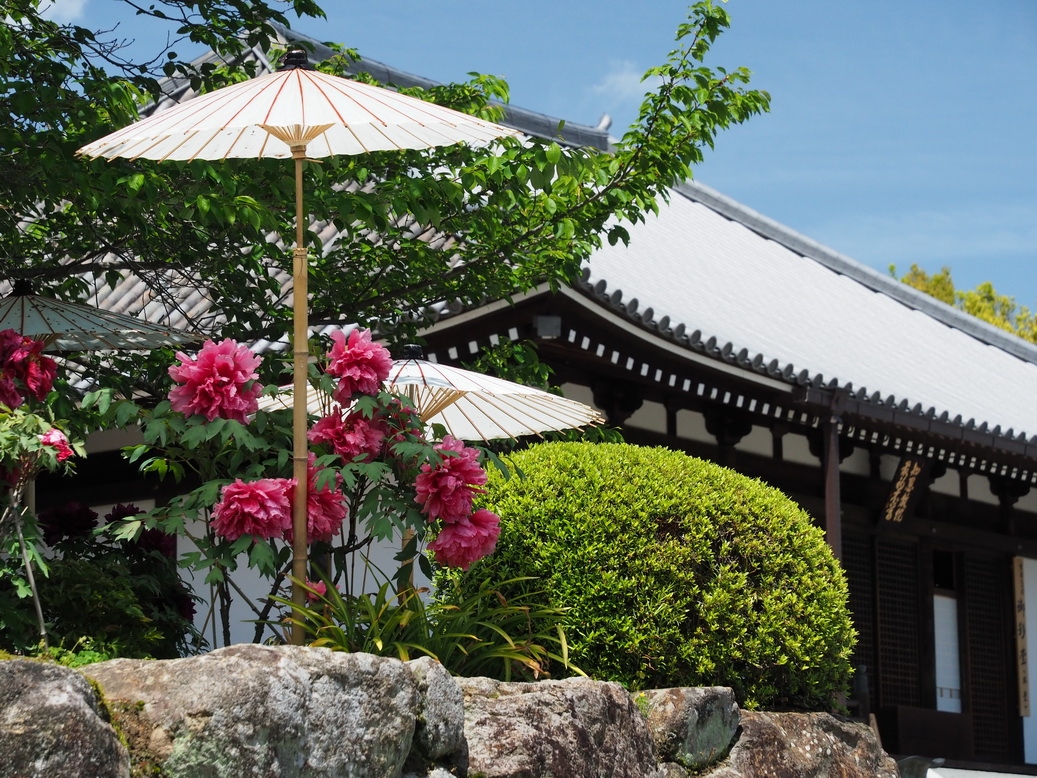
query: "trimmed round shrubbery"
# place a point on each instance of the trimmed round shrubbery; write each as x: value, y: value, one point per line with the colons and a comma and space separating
x: 677, y: 572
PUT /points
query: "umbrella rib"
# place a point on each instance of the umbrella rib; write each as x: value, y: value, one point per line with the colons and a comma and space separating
x: 428, y: 112
x: 74, y: 326
x: 525, y: 428
x: 188, y: 114
x: 220, y: 123
x: 280, y: 90
x: 325, y: 86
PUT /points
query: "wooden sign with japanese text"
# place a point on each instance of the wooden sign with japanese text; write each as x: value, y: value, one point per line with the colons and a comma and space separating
x: 1021, y: 656
x: 908, y: 486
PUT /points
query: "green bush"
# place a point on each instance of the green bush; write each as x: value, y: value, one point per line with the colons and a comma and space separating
x: 675, y: 571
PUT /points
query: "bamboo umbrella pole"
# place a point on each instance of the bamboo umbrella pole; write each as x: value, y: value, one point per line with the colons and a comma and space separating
x: 300, y: 367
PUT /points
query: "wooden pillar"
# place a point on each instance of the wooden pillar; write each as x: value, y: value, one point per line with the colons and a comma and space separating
x: 671, y: 423
x: 833, y: 498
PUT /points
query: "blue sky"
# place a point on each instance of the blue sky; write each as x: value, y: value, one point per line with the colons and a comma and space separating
x: 900, y: 131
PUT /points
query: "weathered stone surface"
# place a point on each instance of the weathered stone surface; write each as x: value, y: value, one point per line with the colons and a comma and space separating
x: 268, y: 711
x: 693, y: 727
x: 295, y: 711
x: 804, y: 745
x: 52, y: 725
x: 439, y: 735
x: 671, y: 770
x: 435, y: 772
x: 569, y: 728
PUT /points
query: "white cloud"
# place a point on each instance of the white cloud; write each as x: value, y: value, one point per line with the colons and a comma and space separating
x: 953, y: 237
x: 621, y: 91
x: 622, y: 82
x: 63, y: 11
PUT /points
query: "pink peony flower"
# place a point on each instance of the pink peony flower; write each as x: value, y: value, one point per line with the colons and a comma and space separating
x: 320, y: 589
x: 446, y: 490
x: 325, y: 512
x: 466, y: 541
x: 261, y: 508
x: 23, y: 366
x: 10, y: 340
x: 221, y: 382
x: 9, y: 394
x: 360, y: 364
x: 325, y: 509
x: 350, y: 437
x: 68, y: 520
x: 36, y: 371
x: 56, y: 439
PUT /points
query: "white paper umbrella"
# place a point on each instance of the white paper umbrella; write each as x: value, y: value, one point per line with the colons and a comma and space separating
x: 274, y: 114
x: 470, y: 406
x: 68, y: 326
x: 298, y: 113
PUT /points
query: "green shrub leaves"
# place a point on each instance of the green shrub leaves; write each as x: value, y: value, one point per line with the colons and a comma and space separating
x: 675, y: 572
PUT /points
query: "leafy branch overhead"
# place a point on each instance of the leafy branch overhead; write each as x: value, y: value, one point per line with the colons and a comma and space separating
x: 413, y: 228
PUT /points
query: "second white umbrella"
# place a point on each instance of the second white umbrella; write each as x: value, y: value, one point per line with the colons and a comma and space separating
x: 470, y: 406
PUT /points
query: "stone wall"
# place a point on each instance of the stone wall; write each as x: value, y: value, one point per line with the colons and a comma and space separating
x: 290, y: 711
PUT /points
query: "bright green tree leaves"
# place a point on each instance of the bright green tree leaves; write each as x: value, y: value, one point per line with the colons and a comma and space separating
x: 415, y: 228
x: 984, y: 302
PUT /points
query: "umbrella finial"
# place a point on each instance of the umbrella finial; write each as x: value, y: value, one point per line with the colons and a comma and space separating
x: 22, y: 287
x: 295, y: 58
x: 412, y: 351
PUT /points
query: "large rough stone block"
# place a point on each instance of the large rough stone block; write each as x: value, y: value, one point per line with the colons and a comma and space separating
x: 258, y: 710
x: 439, y: 735
x: 571, y: 728
x: 804, y: 745
x: 693, y: 727
x: 52, y: 725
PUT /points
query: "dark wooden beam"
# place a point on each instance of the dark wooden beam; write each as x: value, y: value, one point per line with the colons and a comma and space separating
x: 833, y: 497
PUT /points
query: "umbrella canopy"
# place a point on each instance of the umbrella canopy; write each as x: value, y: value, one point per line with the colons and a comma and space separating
x: 68, y: 326
x: 469, y: 405
x: 269, y: 115
x: 300, y: 113
x: 472, y: 406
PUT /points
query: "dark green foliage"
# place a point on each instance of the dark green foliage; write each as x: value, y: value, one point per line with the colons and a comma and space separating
x: 677, y: 572
x: 101, y: 597
x: 471, y: 633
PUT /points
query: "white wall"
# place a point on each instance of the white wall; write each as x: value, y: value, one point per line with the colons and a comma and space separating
x: 948, y: 658
x: 256, y: 587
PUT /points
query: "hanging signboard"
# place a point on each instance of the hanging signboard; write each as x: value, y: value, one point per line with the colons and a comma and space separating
x: 908, y: 486
x: 1021, y: 657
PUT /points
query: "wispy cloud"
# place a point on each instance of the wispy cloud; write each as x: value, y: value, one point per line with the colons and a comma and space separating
x: 621, y: 90
x: 946, y: 237
x: 622, y: 82
x: 64, y: 11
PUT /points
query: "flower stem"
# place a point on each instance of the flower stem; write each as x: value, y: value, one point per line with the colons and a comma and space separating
x: 28, y: 570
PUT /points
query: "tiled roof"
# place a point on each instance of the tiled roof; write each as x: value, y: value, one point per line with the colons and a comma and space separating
x: 721, y: 280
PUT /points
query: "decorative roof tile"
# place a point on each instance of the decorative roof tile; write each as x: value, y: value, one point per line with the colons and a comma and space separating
x: 798, y: 309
